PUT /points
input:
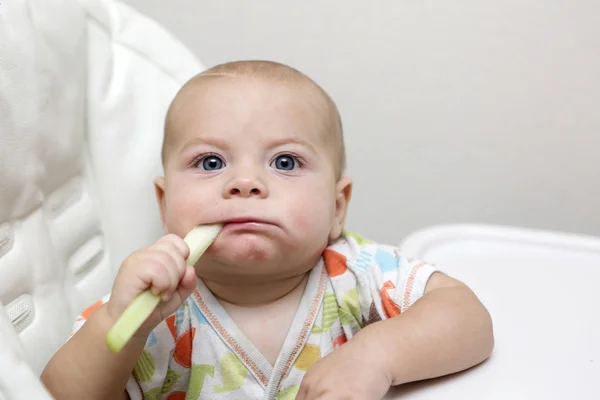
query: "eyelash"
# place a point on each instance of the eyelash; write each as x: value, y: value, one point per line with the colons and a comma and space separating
x: 295, y: 157
x: 203, y: 156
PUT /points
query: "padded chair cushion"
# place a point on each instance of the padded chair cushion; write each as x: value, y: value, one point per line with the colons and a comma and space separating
x: 84, y: 87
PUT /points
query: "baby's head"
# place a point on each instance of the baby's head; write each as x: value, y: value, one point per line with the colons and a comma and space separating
x: 257, y: 146
x: 326, y: 115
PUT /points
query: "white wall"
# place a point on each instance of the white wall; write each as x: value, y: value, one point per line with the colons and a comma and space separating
x: 482, y: 111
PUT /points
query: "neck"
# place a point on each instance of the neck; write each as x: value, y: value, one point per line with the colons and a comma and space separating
x: 254, y: 294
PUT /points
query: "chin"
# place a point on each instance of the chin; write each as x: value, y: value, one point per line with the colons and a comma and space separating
x: 247, y: 250
x: 252, y: 258
x: 243, y: 268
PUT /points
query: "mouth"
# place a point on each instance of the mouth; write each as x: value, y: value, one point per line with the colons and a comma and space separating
x: 247, y: 223
x: 247, y: 220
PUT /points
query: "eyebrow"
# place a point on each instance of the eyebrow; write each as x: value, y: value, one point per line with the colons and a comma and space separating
x: 222, y: 144
x: 293, y: 140
x: 216, y: 142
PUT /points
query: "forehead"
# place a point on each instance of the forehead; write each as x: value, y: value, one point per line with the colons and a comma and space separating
x: 226, y: 105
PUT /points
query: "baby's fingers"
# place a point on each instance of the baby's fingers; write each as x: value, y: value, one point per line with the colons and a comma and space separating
x: 183, y: 291
x: 161, y: 273
x: 175, y: 243
x: 175, y: 264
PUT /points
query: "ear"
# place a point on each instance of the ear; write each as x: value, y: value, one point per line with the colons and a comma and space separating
x: 342, y: 200
x: 159, y: 187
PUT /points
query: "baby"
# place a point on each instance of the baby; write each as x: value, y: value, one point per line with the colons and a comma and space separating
x: 285, y: 303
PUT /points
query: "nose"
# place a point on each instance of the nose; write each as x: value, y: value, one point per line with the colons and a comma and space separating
x: 245, y: 187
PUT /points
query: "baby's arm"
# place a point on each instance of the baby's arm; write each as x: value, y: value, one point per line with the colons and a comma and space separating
x: 446, y: 331
x: 84, y: 368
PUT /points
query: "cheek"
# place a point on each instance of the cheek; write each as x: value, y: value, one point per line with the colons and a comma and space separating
x: 176, y: 212
x: 185, y: 206
x: 312, y: 216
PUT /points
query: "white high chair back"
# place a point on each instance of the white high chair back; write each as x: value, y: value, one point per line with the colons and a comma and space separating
x: 84, y: 87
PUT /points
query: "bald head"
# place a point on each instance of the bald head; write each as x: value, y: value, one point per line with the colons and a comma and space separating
x: 330, y: 122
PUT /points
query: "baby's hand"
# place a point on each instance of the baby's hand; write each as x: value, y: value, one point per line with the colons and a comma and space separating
x: 160, y: 267
x: 350, y: 372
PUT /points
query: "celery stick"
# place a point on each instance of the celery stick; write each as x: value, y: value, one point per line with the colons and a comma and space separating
x: 131, y: 319
x: 198, y: 240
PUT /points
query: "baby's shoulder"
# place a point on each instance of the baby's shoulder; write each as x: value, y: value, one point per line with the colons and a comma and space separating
x: 373, y: 278
x: 362, y: 255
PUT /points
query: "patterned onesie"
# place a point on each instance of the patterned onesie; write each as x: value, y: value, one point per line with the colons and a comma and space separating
x: 199, y: 353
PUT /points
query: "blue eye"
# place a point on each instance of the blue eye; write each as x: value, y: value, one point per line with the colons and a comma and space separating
x: 285, y: 163
x: 211, y: 163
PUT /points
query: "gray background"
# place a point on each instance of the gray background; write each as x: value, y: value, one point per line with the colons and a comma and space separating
x: 483, y: 112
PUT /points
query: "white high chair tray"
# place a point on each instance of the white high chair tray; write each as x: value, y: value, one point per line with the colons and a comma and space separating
x: 542, y: 290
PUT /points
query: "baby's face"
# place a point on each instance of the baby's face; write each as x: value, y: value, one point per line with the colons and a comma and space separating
x: 252, y: 155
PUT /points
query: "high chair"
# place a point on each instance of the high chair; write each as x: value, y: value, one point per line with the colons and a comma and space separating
x: 84, y: 87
